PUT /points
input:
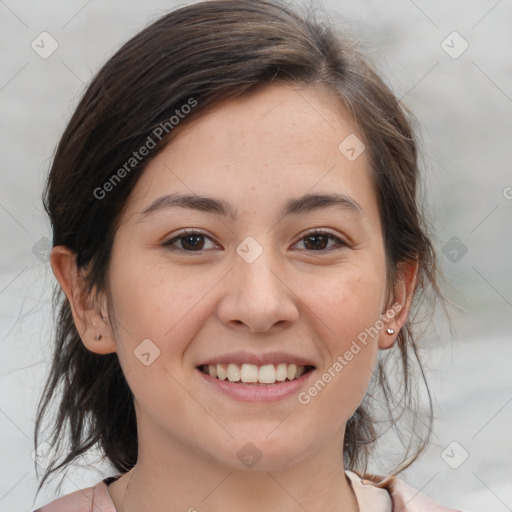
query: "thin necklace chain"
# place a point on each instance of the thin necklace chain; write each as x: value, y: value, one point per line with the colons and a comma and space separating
x: 126, y: 491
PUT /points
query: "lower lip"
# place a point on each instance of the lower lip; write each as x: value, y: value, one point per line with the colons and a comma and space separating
x: 265, y: 393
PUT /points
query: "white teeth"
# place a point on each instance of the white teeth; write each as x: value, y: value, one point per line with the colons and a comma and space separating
x: 281, y: 372
x: 251, y: 373
x: 292, y: 371
x: 267, y: 374
x: 221, y: 371
x: 233, y: 372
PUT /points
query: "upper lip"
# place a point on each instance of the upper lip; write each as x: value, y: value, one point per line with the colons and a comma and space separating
x: 258, y: 359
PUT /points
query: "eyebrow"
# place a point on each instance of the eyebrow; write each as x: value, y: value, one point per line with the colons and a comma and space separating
x: 300, y: 205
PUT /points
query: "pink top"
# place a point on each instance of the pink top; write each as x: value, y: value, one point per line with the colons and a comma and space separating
x: 394, y: 496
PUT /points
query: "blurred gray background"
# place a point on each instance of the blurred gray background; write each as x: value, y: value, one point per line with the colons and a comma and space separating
x: 451, y: 64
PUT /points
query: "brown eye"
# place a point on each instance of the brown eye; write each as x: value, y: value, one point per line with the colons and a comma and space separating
x: 192, y: 242
x: 318, y: 241
x: 187, y: 242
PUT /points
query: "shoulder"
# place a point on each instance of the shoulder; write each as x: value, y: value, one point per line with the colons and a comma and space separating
x: 408, y: 499
x: 394, y: 494
x: 83, y: 500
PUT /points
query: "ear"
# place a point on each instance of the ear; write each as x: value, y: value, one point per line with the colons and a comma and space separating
x: 398, y: 310
x: 89, y: 313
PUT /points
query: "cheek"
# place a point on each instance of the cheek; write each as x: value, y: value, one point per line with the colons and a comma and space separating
x: 347, y: 308
x: 345, y: 301
x: 157, y: 313
x: 157, y: 302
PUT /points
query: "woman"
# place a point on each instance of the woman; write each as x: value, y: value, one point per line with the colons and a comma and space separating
x: 236, y: 236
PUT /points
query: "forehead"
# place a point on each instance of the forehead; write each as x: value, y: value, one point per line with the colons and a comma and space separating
x: 287, y: 120
x: 275, y: 143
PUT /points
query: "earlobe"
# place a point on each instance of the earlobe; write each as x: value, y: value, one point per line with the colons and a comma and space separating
x: 403, y: 291
x: 94, y: 330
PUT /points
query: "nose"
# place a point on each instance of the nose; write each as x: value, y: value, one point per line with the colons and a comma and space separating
x: 258, y: 296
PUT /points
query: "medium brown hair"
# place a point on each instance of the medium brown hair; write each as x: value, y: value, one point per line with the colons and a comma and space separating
x: 212, y: 51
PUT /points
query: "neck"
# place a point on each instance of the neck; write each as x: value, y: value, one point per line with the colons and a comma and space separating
x: 158, y: 482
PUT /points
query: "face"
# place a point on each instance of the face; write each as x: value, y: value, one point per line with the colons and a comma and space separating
x: 261, y: 272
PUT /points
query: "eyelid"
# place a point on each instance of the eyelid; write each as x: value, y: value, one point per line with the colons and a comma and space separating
x: 340, y: 241
x: 322, y: 231
x: 167, y: 243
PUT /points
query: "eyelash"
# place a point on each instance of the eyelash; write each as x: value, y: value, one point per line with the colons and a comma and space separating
x: 169, y: 243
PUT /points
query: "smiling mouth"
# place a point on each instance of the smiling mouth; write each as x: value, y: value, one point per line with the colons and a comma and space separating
x: 256, y: 375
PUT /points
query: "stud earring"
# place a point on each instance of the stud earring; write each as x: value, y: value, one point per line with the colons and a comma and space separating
x: 390, y: 331
x: 98, y: 337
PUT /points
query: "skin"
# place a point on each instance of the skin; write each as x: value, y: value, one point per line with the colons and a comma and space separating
x: 255, y: 152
